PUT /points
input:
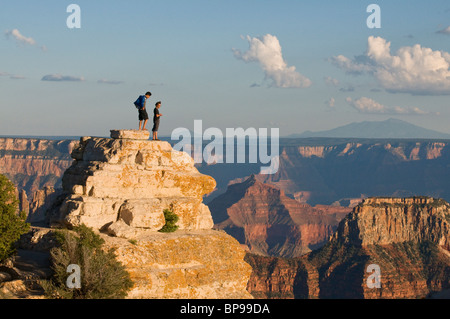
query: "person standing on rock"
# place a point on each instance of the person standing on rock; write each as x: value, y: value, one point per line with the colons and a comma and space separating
x: 156, y: 118
x: 140, y: 105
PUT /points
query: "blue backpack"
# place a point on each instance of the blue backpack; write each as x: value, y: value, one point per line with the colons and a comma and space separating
x: 139, y: 103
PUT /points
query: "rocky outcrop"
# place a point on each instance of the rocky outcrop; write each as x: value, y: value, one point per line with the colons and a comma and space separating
x: 277, y: 278
x: 407, y: 238
x: 386, y: 221
x: 196, y: 264
x: 133, y: 181
x: 121, y: 186
x: 263, y: 218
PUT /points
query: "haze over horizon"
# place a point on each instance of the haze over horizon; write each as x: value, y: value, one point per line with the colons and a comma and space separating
x: 295, y: 65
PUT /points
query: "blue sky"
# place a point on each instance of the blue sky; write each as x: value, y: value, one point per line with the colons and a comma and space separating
x: 218, y: 61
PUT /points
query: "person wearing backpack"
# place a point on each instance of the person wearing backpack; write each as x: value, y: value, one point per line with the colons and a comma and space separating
x: 140, y: 105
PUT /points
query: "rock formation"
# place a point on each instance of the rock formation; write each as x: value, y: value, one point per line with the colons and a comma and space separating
x: 277, y: 278
x: 32, y: 164
x: 386, y: 221
x: 131, y: 181
x: 263, y: 218
x: 121, y: 186
x: 407, y: 238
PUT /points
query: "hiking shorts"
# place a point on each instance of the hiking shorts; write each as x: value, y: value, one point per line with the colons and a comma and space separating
x: 155, y: 126
x: 143, y: 115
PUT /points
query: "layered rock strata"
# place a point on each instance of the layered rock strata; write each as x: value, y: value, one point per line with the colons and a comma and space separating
x: 131, y: 181
x: 32, y: 164
x: 269, y: 223
x: 121, y: 187
x: 406, y: 238
x: 196, y: 264
x: 385, y: 221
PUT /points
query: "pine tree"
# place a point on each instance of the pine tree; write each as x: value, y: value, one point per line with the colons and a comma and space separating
x: 12, y: 225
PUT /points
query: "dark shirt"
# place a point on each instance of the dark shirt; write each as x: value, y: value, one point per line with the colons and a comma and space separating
x: 155, y: 113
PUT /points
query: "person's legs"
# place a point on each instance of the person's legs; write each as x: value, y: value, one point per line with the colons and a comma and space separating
x: 155, y: 130
x: 143, y: 118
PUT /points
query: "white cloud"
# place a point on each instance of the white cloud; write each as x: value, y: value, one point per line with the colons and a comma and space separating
x: 349, y: 66
x: 267, y: 51
x: 19, y: 37
x: 61, y: 78
x: 416, y: 70
x: 331, y: 81
x: 23, y: 40
x: 367, y: 105
x: 331, y: 103
x: 444, y: 31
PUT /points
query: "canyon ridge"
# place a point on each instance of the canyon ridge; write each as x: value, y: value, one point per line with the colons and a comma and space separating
x: 120, y: 187
x: 328, y: 246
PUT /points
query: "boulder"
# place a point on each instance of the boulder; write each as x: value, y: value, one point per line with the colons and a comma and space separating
x: 131, y: 178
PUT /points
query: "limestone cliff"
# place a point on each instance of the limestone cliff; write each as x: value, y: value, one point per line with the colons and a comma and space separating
x: 407, y: 238
x: 121, y: 186
x: 132, y: 180
x: 193, y: 264
x: 385, y: 221
x: 33, y: 164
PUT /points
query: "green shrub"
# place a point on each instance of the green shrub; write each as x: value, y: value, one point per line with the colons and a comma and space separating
x: 12, y: 226
x: 171, y: 220
x: 102, y: 276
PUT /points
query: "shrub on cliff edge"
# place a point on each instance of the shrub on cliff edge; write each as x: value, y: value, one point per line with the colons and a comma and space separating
x: 171, y: 220
x: 102, y: 276
x: 12, y: 226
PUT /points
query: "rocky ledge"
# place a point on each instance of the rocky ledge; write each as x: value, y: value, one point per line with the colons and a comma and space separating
x: 129, y: 180
x: 120, y: 187
x: 384, y: 221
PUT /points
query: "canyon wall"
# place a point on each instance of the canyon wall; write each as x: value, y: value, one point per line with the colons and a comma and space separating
x: 406, y: 238
x: 269, y: 223
x: 32, y: 164
x: 312, y: 170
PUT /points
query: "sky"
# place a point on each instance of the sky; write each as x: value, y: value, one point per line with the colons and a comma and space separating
x: 288, y: 64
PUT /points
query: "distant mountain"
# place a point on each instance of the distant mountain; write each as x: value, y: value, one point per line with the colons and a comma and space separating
x: 391, y: 128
